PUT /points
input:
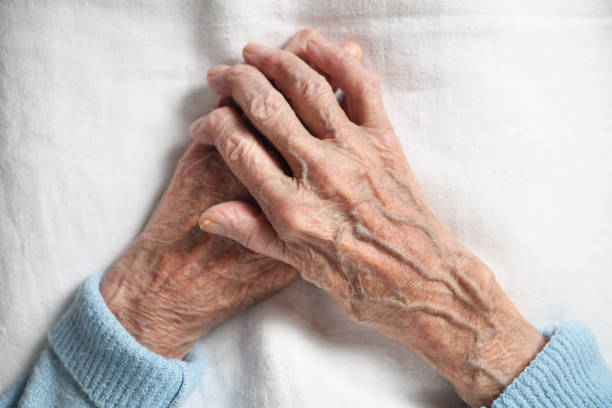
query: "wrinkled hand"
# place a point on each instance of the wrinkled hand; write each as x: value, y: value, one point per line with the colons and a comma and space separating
x: 350, y: 216
x: 176, y: 282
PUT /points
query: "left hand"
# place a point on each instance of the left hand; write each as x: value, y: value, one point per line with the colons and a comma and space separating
x: 175, y: 282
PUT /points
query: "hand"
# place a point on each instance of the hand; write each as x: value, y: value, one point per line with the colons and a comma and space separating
x: 175, y: 282
x: 350, y: 216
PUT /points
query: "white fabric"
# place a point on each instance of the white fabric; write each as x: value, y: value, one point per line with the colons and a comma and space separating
x: 504, y: 109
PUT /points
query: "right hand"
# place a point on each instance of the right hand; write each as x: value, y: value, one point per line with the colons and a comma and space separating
x: 351, y: 217
x: 176, y: 282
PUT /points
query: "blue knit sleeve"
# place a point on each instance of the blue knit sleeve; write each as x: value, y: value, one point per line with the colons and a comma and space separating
x: 91, y: 360
x: 569, y: 372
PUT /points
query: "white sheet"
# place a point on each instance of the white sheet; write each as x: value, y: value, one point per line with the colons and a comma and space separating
x: 504, y: 110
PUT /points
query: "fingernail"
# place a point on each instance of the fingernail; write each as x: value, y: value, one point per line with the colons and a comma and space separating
x: 196, y: 127
x: 212, y: 227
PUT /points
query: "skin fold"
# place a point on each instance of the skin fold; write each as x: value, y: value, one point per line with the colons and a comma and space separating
x: 335, y: 198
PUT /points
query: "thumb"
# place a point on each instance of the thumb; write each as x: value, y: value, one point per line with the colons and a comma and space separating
x: 243, y: 223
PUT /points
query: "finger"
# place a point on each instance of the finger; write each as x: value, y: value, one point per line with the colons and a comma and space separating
x: 309, y: 93
x: 350, y: 46
x: 226, y: 101
x: 242, y: 223
x: 354, y: 49
x: 360, y: 86
x: 296, y: 46
x: 243, y: 152
x: 266, y: 108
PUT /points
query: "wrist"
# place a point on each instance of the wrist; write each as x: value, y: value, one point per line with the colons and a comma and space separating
x: 482, y: 342
x: 445, y: 304
x: 138, y: 291
x: 147, y: 324
x: 498, y: 354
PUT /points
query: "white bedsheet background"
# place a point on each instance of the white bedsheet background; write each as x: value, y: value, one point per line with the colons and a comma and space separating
x: 504, y: 110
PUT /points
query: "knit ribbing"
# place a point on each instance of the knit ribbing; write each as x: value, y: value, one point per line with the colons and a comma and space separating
x: 568, y: 372
x: 91, y: 351
x: 111, y: 367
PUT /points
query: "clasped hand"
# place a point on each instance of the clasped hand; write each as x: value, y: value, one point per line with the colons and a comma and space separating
x: 285, y: 179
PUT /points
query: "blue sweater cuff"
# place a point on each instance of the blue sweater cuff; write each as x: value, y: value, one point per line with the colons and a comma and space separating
x: 111, y: 367
x: 569, y: 372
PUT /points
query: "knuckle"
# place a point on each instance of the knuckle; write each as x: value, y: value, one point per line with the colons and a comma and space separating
x: 218, y: 119
x: 344, y: 183
x: 237, y: 150
x: 313, y: 87
x: 345, y: 132
x: 265, y: 105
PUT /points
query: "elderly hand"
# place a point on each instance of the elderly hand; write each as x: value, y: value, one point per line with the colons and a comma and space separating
x: 349, y: 215
x: 176, y: 282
